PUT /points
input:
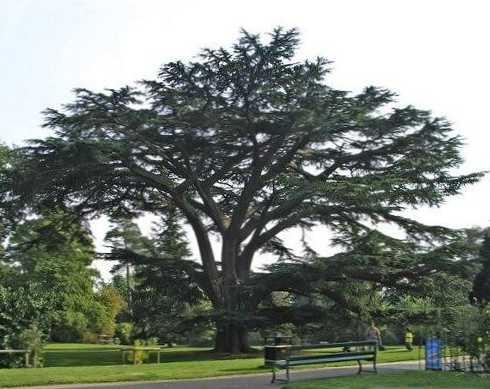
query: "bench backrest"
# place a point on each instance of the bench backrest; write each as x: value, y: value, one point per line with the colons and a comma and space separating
x: 11, y: 351
x: 353, y: 355
x: 362, y: 343
x: 368, y: 347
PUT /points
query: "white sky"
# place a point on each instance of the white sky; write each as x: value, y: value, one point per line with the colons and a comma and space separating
x: 434, y: 54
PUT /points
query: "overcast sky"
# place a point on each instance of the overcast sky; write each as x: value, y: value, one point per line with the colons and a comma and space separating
x: 434, y: 54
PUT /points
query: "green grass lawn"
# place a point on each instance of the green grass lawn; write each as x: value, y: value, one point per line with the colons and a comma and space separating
x: 82, y: 363
x: 405, y: 380
x: 76, y: 354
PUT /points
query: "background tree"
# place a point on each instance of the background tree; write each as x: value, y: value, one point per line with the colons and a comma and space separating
x: 125, y: 235
x: 481, y: 285
x: 372, y: 278
x: 54, y: 252
x: 6, y: 160
x: 22, y: 307
x: 163, y: 294
x: 246, y: 142
x: 111, y: 303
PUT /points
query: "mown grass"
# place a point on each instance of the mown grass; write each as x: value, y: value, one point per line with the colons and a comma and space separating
x: 76, y: 354
x: 81, y: 363
x: 148, y: 372
x: 405, y: 380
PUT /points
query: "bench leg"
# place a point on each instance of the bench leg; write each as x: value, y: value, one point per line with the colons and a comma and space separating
x: 360, y: 367
x: 274, y: 375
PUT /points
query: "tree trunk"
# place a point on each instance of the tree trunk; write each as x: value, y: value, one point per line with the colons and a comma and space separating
x: 232, y: 334
x: 232, y: 339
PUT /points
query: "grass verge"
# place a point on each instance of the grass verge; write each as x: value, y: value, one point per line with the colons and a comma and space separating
x: 75, y: 363
x: 405, y: 380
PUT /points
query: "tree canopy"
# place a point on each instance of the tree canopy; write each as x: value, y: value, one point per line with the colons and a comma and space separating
x: 246, y: 143
x: 481, y: 285
x: 48, y: 259
x: 165, y: 295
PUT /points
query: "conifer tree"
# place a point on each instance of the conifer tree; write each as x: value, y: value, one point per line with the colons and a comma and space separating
x: 124, y: 234
x: 246, y: 143
x: 164, y: 294
x: 481, y: 284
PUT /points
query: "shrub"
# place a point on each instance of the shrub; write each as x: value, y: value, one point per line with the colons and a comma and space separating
x: 19, y: 308
x: 255, y: 338
x: 89, y: 337
x: 476, y: 336
x: 124, y: 332
x: 390, y: 337
x: 140, y: 356
x: 32, y: 340
x: 201, y: 338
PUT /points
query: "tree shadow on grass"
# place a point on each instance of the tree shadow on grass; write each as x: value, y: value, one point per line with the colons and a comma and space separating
x: 84, y: 357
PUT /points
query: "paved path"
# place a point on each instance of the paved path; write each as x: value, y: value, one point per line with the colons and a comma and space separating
x: 252, y: 381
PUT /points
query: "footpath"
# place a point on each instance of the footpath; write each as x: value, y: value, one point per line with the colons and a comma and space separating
x: 250, y: 381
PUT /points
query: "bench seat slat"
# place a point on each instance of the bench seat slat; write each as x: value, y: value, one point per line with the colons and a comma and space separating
x: 312, y: 361
x: 345, y: 354
x: 336, y: 359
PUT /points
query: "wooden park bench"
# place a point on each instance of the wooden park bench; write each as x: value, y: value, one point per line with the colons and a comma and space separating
x: 25, y: 352
x: 331, y: 352
x: 105, y: 339
x: 134, y: 349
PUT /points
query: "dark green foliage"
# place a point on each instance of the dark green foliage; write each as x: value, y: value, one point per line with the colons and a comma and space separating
x: 56, y: 233
x: 124, y: 236
x: 32, y: 339
x: 395, y: 283
x: 481, y: 285
x: 169, y: 244
x: 168, y: 238
x: 124, y: 332
x: 110, y: 303
x: 21, y: 308
x: 372, y: 263
x: 247, y: 143
x: 6, y: 212
x: 121, y: 284
x: 54, y: 252
x: 163, y: 294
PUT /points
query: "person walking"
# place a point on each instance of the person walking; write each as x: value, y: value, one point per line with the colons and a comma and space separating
x: 374, y: 333
x: 408, y: 339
